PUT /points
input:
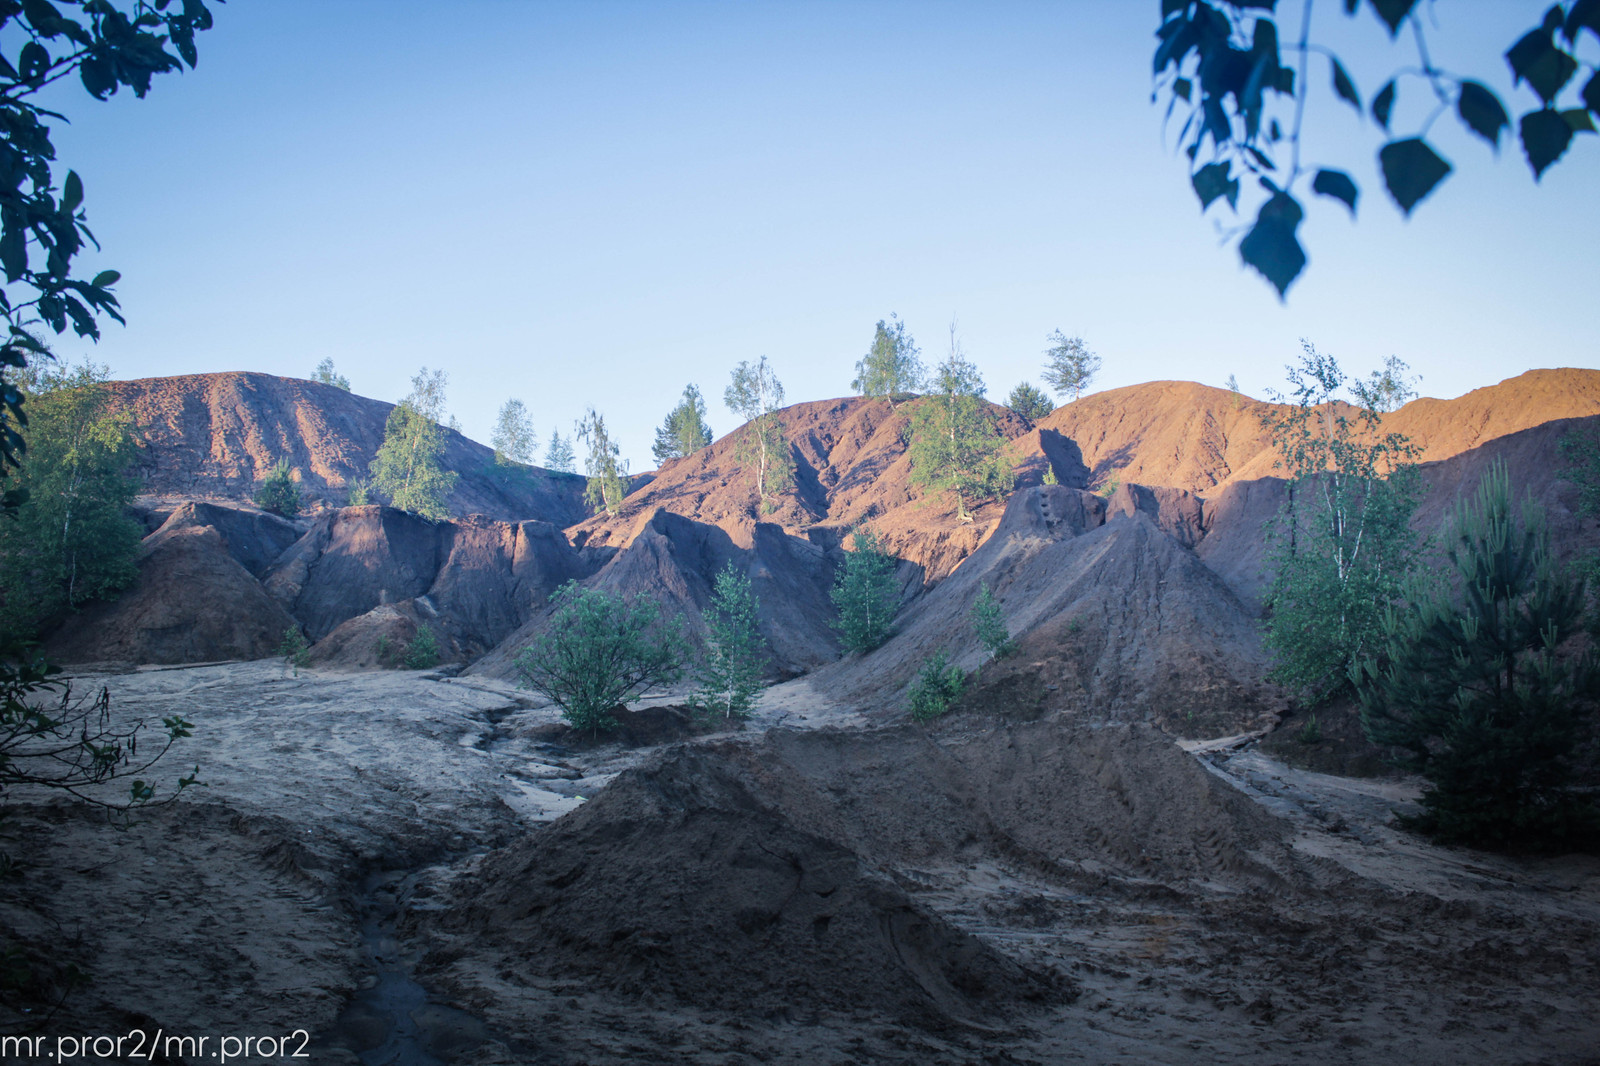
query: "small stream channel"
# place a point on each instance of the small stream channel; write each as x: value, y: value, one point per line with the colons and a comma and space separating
x: 391, y: 1021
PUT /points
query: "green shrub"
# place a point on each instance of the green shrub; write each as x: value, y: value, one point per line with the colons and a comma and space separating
x: 279, y: 492
x: 295, y: 650
x: 991, y: 625
x: 937, y: 687
x: 599, y: 650
x: 423, y: 651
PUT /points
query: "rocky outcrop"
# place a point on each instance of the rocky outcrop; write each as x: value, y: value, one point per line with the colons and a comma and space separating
x: 674, y: 561
x: 474, y: 581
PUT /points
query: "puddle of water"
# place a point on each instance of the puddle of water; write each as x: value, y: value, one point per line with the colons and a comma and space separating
x: 391, y: 1021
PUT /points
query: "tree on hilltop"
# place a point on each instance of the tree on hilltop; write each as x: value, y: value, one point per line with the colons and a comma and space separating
x: 559, y: 455
x: 409, y: 466
x: 891, y: 366
x: 1069, y: 364
x: 756, y: 395
x: 1029, y: 402
x: 324, y: 374
x: 608, y: 477
x: 954, y: 442
x: 685, y: 431
x: 514, y: 439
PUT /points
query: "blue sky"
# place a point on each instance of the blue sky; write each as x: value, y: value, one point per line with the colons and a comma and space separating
x: 595, y: 203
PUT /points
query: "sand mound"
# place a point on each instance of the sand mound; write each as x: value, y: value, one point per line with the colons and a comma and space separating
x: 762, y: 875
x: 193, y: 602
x: 217, y: 435
x: 1113, y: 615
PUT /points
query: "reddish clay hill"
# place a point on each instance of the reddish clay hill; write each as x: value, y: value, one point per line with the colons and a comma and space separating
x: 851, y: 465
x: 215, y: 436
x: 1138, y: 601
x: 1184, y: 435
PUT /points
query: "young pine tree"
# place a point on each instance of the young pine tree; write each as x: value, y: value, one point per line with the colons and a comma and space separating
x: 990, y: 625
x: 685, y: 431
x: 730, y: 675
x: 1029, y: 402
x: 938, y: 685
x: 279, y: 492
x: 1471, y: 688
x: 865, y: 594
x: 558, y: 456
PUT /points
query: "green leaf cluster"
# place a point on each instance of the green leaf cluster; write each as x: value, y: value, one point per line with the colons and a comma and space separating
x: 1342, y: 549
x: 43, y: 228
x: 599, y: 650
x: 279, y: 491
x: 730, y: 673
x: 1471, y: 687
x: 938, y: 685
x: 892, y: 365
x: 1029, y: 402
x: 866, y: 594
x: 1222, y: 60
x: 71, y: 541
x: 685, y: 430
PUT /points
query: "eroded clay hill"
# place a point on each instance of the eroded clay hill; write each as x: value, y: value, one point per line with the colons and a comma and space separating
x: 214, y: 436
x: 1137, y: 600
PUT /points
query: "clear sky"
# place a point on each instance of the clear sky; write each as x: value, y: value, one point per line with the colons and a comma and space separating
x: 596, y: 203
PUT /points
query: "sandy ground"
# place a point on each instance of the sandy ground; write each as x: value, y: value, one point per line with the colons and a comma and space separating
x: 338, y: 808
